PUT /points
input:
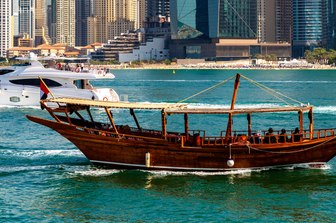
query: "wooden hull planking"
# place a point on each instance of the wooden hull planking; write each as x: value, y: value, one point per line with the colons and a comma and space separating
x: 131, y: 152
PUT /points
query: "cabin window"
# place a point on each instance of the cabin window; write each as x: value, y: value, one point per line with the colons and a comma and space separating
x: 35, y: 82
x: 79, y: 84
x: 14, y: 99
x: 5, y: 71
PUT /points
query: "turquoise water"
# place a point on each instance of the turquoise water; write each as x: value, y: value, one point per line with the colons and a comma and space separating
x: 44, y: 178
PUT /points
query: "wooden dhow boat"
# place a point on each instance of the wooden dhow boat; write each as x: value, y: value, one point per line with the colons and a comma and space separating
x: 121, y: 146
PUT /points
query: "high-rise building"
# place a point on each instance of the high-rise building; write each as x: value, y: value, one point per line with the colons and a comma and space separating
x: 41, y: 28
x: 266, y: 21
x: 214, y: 19
x: 118, y: 16
x: 102, y: 14
x: 274, y: 20
x: 27, y: 18
x: 157, y: 19
x: 310, y: 19
x: 51, y: 21
x: 91, y: 30
x: 223, y: 29
x: 65, y: 22
x: 284, y: 20
x: 332, y: 24
x: 83, y: 12
x: 6, y: 27
x: 237, y: 19
x: 15, y: 13
x: 158, y: 8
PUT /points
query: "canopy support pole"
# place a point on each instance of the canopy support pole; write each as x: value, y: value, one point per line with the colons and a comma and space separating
x: 311, y: 123
x: 135, y: 118
x: 164, y: 124
x: 108, y: 112
x: 91, y: 118
x: 301, y: 121
x: 249, y: 127
x: 186, y: 125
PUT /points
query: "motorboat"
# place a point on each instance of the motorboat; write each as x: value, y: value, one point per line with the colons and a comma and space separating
x: 20, y: 83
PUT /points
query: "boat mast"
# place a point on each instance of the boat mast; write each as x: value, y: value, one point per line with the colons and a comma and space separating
x: 233, y: 101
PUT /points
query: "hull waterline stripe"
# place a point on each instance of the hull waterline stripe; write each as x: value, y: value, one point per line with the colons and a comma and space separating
x: 201, y: 169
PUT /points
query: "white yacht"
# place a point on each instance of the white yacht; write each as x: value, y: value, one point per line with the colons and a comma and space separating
x: 20, y: 84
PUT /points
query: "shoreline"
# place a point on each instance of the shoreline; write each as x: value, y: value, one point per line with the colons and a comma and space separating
x: 204, y: 66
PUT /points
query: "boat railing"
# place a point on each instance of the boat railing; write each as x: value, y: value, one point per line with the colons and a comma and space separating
x: 198, y: 138
x: 242, y: 137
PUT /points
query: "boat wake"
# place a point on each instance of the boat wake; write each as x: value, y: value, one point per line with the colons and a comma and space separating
x: 325, y: 110
x: 95, y: 172
x: 34, y: 154
x: 30, y: 107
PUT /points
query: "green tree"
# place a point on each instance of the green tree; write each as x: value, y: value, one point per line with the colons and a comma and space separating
x: 167, y: 61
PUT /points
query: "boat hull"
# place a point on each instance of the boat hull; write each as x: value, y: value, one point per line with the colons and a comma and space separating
x: 158, y: 154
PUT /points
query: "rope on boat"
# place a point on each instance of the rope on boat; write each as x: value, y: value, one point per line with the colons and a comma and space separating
x: 268, y: 90
x: 297, y: 151
x: 208, y: 89
x: 271, y: 91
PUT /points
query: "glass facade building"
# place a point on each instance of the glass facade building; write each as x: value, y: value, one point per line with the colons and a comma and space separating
x: 83, y: 11
x: 310, y: 19
x: 213, y: 19
x: 189, y: 19
x: 237, y: 19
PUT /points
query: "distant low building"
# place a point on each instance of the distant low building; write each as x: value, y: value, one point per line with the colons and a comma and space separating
x: 125, y: 43
x: 151, y: 50
x: 226, y: 49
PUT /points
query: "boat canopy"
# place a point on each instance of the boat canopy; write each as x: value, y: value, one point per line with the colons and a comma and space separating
x: 175, y: 108
x: 110, y: 104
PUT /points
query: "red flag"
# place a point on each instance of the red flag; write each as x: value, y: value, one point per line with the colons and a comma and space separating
x: 44, y: 90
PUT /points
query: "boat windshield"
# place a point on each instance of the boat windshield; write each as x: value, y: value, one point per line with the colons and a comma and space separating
x: 22, y: 64
x: 5, y: 71
x: 35, y: 82
x: 82, y: 84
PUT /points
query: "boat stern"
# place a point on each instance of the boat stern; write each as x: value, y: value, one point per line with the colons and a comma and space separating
x: 105, y: 94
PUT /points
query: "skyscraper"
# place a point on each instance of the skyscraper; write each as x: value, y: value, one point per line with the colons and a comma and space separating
x: 6, y: 37
x: 274, y: 20
x: 117, y: 16
x: 223, y: 29
x: 51, y: 21
x: 158, y: 7
x: 65, y: 22
x: 188, y: 21
x: 266, y: 21
x: 284, y: 20
x: 27, y: 18
x: 126, y: 15
x: 237, y: 19
x: 41, y: 28
x: 15, y: 13
x: 332, y: 24
x: 214, y: 19
x: 310, y: 19
x: 83, y: 12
